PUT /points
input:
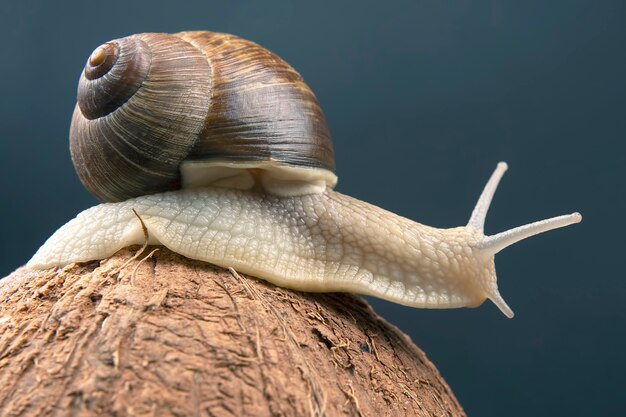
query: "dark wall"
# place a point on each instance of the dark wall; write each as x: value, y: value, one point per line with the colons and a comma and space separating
x: 423, y: 98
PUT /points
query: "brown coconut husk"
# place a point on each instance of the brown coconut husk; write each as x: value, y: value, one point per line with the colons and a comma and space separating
x: 164, y: 335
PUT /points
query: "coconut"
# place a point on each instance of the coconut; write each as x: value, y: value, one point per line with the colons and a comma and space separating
x: 153, y: 333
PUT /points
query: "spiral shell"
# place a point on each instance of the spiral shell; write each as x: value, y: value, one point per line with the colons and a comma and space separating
x: 207, y: 104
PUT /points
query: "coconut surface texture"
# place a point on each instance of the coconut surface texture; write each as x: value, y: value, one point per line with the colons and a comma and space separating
x: 157, y: 334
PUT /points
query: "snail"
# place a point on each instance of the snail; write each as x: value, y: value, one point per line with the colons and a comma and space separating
x: 223, y: 152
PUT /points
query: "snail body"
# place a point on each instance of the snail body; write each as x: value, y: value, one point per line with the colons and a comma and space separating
x: 226, y: 195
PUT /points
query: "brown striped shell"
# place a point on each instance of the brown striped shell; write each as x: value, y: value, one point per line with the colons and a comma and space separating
x: 209, y: 105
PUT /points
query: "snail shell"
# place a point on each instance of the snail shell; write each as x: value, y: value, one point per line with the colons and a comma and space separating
x: 159, y: 112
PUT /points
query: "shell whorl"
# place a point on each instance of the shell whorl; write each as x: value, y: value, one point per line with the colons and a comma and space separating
x: 150, y: 106
x: 113, y: 73
x: 148, y: 102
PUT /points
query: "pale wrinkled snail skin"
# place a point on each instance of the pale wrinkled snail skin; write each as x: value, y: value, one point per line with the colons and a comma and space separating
x: 315, y: 242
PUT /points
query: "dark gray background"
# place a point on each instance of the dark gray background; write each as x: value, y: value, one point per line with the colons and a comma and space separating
x: 423, y: 98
